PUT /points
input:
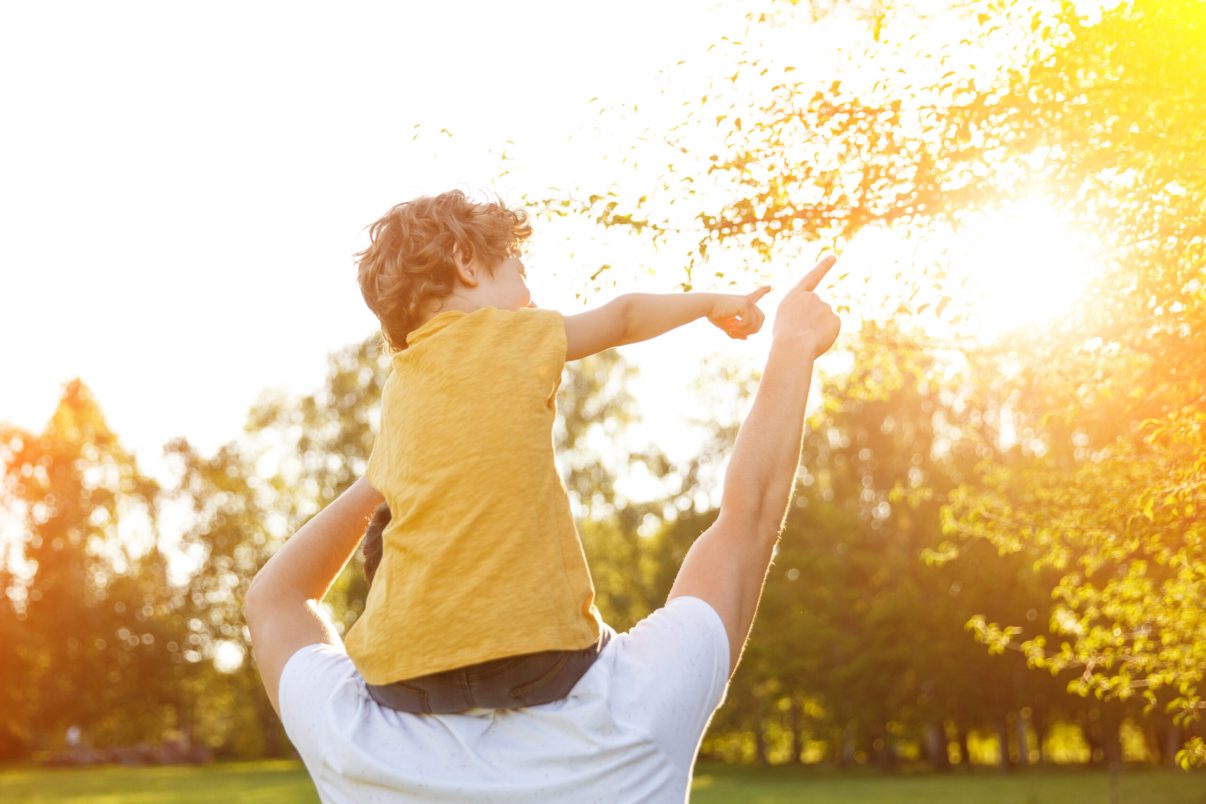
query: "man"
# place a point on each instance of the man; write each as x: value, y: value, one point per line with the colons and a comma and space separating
x: 630, y: 729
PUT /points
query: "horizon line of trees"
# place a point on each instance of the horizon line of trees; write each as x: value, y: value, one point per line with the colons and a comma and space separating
x: 860, y: 653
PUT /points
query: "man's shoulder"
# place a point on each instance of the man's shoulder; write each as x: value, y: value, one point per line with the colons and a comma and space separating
x: 312, y: 672
x: 312, y: 678
x: 672, y: 674
x: 316, y: 665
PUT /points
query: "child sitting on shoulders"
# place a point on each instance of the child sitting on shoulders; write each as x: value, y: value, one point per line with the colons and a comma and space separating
x: 482, y: 596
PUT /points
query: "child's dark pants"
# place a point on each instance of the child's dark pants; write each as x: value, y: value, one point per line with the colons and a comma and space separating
x: 508, y: 683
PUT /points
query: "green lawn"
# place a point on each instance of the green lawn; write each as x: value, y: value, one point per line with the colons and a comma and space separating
x: 233, y: 783
x: 718, y: 784
x: 262, y: 782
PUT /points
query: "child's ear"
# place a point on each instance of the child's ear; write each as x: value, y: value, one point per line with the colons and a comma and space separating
x: 466, y: 268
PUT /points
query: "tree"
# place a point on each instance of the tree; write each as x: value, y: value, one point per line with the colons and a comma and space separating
x: 298, y: 454
x: 317, y: 444
x: 1106, y: 106
x: 91, y: 603
x: 1113, y: 502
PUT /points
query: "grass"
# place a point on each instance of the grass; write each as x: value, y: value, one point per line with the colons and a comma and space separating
x: 230, y: 782
x: 284, y: 781
x: 718, y: 784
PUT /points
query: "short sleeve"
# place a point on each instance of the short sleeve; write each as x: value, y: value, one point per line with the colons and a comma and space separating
x: 673, y: 675
x: 308, y: 681
x: 547, y: 328
x: 537, y: 337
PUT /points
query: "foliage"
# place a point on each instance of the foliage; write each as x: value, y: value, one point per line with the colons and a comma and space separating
x: 91, y: 600
x: 1101, y: 106
x: 1114, y: 495
x: 1130, y: 545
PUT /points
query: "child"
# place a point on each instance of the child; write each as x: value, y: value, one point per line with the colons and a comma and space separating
x: 482, y: 596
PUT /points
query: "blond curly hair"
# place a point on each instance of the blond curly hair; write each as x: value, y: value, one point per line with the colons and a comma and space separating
x: 410, y: 262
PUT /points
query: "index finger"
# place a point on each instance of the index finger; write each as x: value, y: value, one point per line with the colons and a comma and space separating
x: 814, y: 277
x: 759, y: 293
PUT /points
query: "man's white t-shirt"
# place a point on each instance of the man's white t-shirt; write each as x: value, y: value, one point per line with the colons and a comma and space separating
x: 628, y: 732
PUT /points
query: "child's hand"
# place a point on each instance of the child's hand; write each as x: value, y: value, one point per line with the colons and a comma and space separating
x: 738, y: 316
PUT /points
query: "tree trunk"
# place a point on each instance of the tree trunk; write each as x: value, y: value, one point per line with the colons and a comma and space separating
x: 1172, y: 744
x: 797, y: 726
x: 1004, y: 762
x: 1038, y: 718
x: 885, y: 751
x: 934, y: 740
x: 847, y: 748
x: 760, y: 744
x: 1092, y: 735
x: 1111, y: 724
x: 1153, y: 744
x: 964, y: 749
x: 1023, y: 735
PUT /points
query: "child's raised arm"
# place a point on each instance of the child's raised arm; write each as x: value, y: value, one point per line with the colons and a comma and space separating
x: 637, y: 317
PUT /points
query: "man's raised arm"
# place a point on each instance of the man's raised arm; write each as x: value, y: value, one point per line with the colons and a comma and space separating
x: 727, y: 564
x: 281, y: 605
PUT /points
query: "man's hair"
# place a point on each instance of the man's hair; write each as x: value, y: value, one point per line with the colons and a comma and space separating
x: 410, y: 260
x: 372, y: 540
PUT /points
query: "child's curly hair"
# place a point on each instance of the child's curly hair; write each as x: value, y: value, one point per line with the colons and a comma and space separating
x: 410, y: 260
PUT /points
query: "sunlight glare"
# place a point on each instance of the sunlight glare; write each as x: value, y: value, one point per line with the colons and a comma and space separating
x: 228, y: 656
x: 1027, y: 265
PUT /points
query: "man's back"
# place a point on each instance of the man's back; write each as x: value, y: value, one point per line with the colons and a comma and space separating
x: 628, y: 732
x: 647, y: 698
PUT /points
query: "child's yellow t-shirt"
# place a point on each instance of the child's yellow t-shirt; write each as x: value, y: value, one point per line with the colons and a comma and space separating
x: 481, y: 559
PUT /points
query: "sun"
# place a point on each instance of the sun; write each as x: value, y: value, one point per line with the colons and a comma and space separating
x: 1026, y: 264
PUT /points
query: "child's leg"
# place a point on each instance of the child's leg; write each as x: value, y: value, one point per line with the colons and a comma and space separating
x: 546, y: 677
x: 507, y: 683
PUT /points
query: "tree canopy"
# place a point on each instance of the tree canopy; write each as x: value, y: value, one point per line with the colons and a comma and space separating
x: 925, y: 126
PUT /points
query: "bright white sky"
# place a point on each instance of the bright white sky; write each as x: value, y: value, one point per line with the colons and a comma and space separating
x: 182, y: 186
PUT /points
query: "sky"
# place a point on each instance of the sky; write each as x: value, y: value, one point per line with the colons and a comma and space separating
x: 184, y: 186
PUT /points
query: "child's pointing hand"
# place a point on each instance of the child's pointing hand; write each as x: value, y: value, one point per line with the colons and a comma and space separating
x: 738, y: 316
